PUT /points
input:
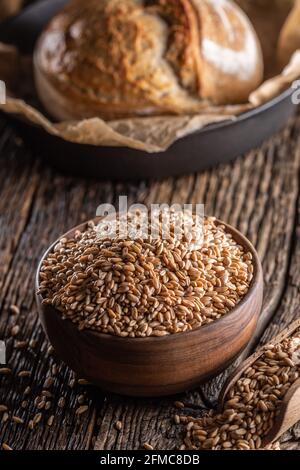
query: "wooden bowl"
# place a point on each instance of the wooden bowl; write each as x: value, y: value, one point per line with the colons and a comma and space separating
x: 156, y: 366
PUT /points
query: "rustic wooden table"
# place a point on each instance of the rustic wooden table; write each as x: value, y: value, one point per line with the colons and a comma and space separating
x: 258, y: 193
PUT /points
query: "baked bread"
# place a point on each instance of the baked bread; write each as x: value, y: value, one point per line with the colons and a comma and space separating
x: 289, y: 40
x: 115, y: 59
x: 267, y: 18
x: 9, y: 7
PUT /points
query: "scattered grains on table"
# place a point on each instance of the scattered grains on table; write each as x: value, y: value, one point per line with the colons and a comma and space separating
x: 252, y: 403
x: 146, y: 287
x: 41, y: 404
x: 81, y: 399
x: 61, y: 402
x: 118, y: 425
x: 82, y: 409
x: 72, y: 383
x: 37, y: 418
x: 179, y: 404
x: 24, y: 373
x: 148, y: 446
x: 21, y: 344
x: 31, y: 424
x: 14, y: 310
x: 50, y: 350
x: 17, y: 419
x: 37, y: 400
x: 83, y: 382
x: 49, y: 381
x: 6, y: 447
x: 15, y: 330
x: 32, y: 343
x: 50, y: 420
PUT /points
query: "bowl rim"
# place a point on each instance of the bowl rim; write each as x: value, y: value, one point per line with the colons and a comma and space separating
x: 91, y: 334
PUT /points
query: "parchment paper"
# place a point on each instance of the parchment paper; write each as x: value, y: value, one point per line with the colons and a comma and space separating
x: 151, y: 134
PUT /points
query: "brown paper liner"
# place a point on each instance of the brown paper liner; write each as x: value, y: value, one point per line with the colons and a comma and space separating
x: 154, y: 134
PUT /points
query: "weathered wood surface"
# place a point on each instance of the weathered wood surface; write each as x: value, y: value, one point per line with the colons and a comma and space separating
x: 258, y: 193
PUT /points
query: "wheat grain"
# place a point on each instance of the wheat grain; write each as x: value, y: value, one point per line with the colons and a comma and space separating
x: 6, y: 447
x: 37, y: 418
x: 21, y: 344
x: 81, y: 399
x: 61, y: 402
x: 118, y: 425
x: 49, y: 381
x: 30, y: 424
x: 24, y: 373
x: 82, y: 409
x: 32, y: 343
x: 179, y: 404
x: 148, y: 446
x: 17, y: 419
x: 50, y: 420
x: 146, y: 287
x: 252, y: 403
x: 15, y: 330
x: 72, y: 383
x: 14, y: 310
x: 83, y: 382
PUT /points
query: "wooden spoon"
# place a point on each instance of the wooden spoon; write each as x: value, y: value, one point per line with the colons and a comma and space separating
x: 289, y: 413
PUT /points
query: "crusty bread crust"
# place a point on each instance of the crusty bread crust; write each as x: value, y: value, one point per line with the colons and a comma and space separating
x: 115, y: 59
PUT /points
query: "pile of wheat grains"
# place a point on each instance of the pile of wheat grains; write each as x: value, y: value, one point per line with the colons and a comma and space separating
x: 146, y: 287
x: 251, y: 405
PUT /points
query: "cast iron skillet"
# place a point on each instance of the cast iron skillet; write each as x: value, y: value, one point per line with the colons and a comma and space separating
x: 217, y: 143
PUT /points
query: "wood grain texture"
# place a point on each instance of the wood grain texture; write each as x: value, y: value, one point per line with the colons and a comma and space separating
x: 259, y: 194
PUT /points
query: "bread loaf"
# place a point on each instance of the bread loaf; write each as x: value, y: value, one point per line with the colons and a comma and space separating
x: 113, y: 59
x: 289, y: 40
x: 9, y: 7
x: 267, y: 18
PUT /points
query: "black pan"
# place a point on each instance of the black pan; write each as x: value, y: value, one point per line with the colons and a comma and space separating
x: 217, y: 143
